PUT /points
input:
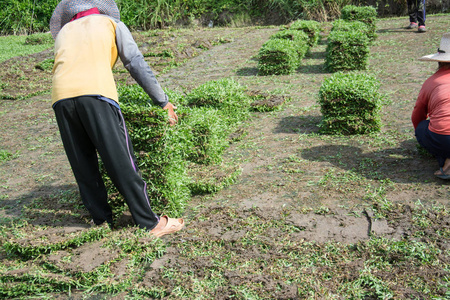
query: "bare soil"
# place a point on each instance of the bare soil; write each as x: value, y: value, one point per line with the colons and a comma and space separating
x: 328, y: 188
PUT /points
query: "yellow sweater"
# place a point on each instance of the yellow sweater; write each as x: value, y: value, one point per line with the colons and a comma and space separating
x: 85, y: 53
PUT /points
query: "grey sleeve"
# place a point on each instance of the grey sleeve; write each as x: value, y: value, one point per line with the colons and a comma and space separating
x: 134, y: 62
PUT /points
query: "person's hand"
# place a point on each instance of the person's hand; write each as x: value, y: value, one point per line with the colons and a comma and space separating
x: 173, y: 118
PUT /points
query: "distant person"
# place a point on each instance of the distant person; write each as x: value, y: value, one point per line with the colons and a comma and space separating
x: 416, y: 12
x: 89, y: 37
x: 431, y: 114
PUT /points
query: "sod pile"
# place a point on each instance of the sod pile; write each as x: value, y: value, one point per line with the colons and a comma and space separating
x: 311, y: 28
x: 352, y: 26
x: 278, y: 57
x: 350, y: 104
x: 365, y: 14
x: 350, y: 38
x: 346, y: 51
x: 170, y: 158
x: 300, y: 39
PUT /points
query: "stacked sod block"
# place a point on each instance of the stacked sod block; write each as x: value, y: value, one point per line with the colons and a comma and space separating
x: 311, y: 28
x: 160, y: 158
x: 300, y: 39
x: 349, y: 40
x: 226, y: 95
x: 347, y: 50
x: 365, y: 14
x: 207, y: 116
x: 352, y: 26
x: 214, y: 111
x: 350, y: 104
x: 278, y: 57
x: 171, y: 158
x: 206, y: 135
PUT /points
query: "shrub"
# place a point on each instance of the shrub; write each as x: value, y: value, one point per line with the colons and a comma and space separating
x: 350, y: 103
x: 278, y: 57
x: 365, y: 14
x: 322, y: 10
x: 20, y: 17
x: 300, y: 39
x: 347, y: 50
x: 310, y: 27
x: 353, y: 26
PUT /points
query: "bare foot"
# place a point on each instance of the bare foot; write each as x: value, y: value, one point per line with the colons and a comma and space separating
x: 439, y: 172
x: 445, y: 170
x: 446, y: 166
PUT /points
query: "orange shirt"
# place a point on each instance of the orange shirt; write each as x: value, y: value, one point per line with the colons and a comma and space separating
x: 433, y: 102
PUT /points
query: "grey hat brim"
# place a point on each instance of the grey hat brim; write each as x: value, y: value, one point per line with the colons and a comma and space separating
x: 442, y: 57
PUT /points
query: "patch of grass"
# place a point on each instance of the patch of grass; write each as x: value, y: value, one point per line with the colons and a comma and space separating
x: 17, y: 240
x: 212, y: 178
x: 16, y: 45
x: 339, y: 179
x: 46, y: 65
x: 5, y: 155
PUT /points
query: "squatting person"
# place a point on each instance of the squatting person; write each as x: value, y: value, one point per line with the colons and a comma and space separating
x: 431, y: 114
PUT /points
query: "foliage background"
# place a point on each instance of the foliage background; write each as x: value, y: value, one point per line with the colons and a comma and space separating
x: 29, y: 16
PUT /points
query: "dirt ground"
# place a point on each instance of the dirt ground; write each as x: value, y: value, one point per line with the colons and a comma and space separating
x: 326, y: 188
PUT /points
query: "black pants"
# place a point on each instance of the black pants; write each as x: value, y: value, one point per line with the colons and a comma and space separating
x: 416, y: 11
x: 87, y: 126
x: 437, y: 144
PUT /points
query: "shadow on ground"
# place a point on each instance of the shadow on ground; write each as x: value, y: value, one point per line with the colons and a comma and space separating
x: 399, y: 165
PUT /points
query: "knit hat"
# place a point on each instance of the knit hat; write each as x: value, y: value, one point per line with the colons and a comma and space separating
x: 443, y: 54
x: 66, y: 9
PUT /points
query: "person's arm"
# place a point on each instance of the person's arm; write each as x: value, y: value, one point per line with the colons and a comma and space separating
x: 173, y: 118
x: 134, y: 62
x: 420, y: 111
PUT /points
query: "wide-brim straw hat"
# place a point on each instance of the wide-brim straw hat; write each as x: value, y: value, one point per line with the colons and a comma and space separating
x: 67, y: 9
x: 443, y: 53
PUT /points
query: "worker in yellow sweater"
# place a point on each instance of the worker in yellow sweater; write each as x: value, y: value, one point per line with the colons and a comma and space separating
x: 89, y: 37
